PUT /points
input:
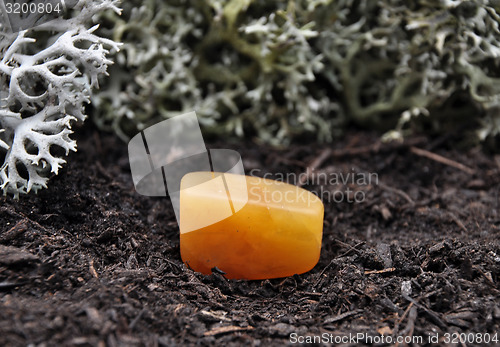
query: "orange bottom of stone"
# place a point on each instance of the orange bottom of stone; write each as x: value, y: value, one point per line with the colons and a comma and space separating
x: 266, y: 238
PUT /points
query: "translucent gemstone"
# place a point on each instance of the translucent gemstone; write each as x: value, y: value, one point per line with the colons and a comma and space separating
x: 248, y: 227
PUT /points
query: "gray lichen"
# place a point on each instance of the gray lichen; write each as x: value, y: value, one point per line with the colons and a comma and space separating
x: 238, y: 72
x: 280, y: 69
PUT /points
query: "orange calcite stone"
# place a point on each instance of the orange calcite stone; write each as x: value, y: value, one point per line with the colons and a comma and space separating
x: 248, y: 227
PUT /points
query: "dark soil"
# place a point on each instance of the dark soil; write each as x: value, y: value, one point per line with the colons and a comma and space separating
x: 89, y: 262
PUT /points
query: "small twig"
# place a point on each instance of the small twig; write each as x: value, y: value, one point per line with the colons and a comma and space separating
x: 342, y: 316
x: 489, y: 280
x: 378, y: 147
x: 441, y: 159
x: 351, y: 249
x: 313, y: 294
x: 15, y: 231
x: 22, y: 216
x: 315, y: 164
x: 215, y: 316
x: 405, y: 313
x: 397, y: 191
x: 412, y: 316
x: 410, y: 325
x: 420, y: 203
x: 225, y: 330
x: 321, y: 274
x: 457, y: 221
x: 373, y: 148
x: 92, y: 269
x: 136, y: 319
x: 10, y: 285
x: 173, y: 264
x: 11, y: 212
x: 103, y: 171
x: 390, y: 269
x: 435, y: 317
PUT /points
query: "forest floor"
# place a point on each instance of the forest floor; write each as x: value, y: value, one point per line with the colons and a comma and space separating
x: 89, y: 262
